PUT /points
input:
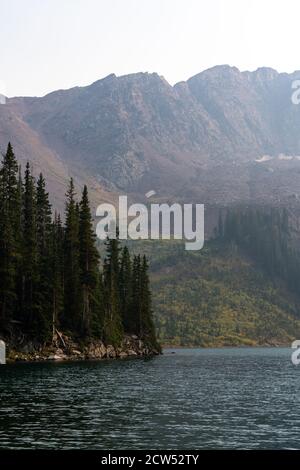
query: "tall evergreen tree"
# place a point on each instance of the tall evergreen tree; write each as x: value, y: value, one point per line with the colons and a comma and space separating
x: 88, y: 263
x: 30, y: 251
x: 72, y: 298
x: 49, y: 274
x: 9, y: 235
x: 98, y: 310
x: 126, y: 289
x: 43, y: 234
x: 20, y: 241
x: 141, y: 317
x: 56, y: 262
x: 147, y: 330
x: 113, y: 328
x: 135, y: 313
x: 43, y: 216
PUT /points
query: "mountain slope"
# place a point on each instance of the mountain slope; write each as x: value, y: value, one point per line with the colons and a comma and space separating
x: 203, y: 140
x: 29, y: 146
x: 218, y: 297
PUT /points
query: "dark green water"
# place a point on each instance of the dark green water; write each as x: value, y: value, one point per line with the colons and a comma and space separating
x: 194, y: 399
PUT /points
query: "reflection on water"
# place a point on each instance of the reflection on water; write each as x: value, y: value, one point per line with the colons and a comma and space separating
x: 194, y: 399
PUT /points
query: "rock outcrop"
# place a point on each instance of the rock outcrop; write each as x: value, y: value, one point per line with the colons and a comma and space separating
x: 64, y: 348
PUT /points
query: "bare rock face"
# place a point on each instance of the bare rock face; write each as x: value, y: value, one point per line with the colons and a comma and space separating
x: 95, y: 350
x: 201, y: 140
x: 110, y: 352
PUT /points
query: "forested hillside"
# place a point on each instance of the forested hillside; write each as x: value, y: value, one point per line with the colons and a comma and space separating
x: 51, y: 277
x: 241, y: 289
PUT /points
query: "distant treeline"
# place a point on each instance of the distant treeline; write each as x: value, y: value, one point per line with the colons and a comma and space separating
x: 265, y: 235
x: 51, y: 277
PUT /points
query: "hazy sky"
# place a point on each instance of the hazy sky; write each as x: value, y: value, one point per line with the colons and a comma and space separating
x: 50, y: 44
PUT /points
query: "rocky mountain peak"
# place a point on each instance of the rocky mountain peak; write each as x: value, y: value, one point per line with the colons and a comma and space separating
x: 202, y: 139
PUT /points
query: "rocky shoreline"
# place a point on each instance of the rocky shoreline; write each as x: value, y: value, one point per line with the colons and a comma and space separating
x: 64, y: 348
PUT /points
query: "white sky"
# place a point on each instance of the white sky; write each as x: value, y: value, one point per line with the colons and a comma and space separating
x: 51, y: 44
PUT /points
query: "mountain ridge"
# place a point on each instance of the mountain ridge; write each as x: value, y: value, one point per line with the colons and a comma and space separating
x: 199, y: 140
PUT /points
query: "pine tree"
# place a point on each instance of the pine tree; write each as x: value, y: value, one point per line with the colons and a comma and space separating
x: 88, y: 263
x: 113, y: 329
x: 43, y: 234
x: 135, y: 313
x: 147, y: 330
x: 98, y: 309
x: 141, y: 317
x: 30, y: 305
x: 19, y: 240
x: 9, y: 236
x: 49, y: 274
x: 56, y: 257
x: 43, y: 216
x: 126, y: 289
x: 72, y: 299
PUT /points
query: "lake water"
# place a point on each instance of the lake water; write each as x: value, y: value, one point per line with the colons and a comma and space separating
x: 193, y: 399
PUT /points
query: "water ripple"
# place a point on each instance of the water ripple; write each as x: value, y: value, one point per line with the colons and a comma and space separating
x: 194, y: 399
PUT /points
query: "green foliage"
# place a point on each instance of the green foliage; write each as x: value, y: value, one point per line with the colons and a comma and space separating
x: 113, y: 328
x: 264, y: 235
x: 146, y: 325
x: 238, y: 290
x: 43, y: 240
x: 56, y: 273
x: 72, y: 316
x: 9, y: 236
x: 126, y: 288
x: 88, y: 263
x: 30, y: 296
x: 50, y: 274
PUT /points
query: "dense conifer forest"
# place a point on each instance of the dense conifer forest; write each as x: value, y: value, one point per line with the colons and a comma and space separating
x: 266, y: 236
x: 242, y: 288
x: 51, y: 274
